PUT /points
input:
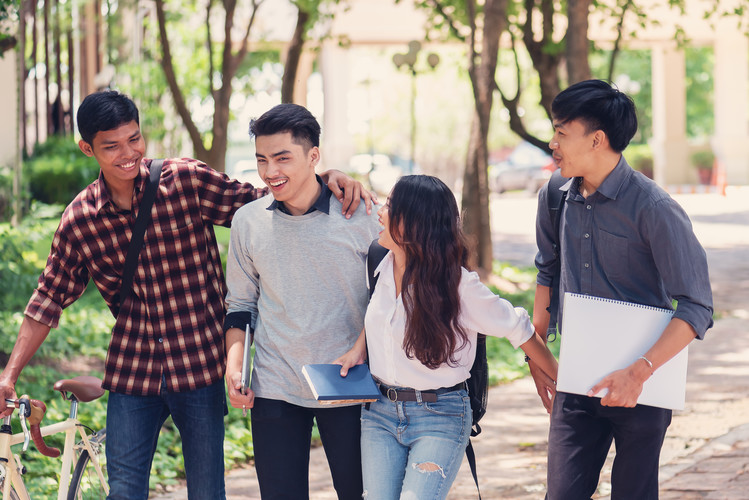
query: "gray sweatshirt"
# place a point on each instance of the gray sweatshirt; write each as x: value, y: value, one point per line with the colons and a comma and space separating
x: 303, y: 278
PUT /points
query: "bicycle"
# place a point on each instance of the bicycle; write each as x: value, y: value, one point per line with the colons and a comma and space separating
x: 88, y: 479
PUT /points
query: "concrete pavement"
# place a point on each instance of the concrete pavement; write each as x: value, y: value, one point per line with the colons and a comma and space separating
x: 706, y: 453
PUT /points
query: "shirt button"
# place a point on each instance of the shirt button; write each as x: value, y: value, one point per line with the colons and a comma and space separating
x: 587, y: 235
x: 589, y: 207
x: 161, y: 340
x: 587, y: 265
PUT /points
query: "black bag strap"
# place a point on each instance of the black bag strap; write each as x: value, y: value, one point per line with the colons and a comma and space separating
x: 471, y: 456
x: 375, y: 254
x: 139, y: 230
x: 555, y: 200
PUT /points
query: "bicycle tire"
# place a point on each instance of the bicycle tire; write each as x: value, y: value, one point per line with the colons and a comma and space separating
x: 85, y: 482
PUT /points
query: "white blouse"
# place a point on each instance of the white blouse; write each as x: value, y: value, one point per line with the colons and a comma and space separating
x: 480, y: 311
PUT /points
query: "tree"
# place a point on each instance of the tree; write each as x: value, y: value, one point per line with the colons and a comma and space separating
x: 231, y: 55
x: 309, y: 14
x: 8, y: 11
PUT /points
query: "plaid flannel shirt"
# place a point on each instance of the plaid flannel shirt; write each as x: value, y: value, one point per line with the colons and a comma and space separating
x: 171, y: 325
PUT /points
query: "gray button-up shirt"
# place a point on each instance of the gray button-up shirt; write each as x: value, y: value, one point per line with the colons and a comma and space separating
x: 627, y: 241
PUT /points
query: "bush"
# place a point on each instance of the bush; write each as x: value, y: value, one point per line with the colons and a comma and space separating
x: 640, y: 157
x: 58, y: 170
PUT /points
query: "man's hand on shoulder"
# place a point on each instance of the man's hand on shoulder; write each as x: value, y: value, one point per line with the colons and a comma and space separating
x: 348, y: 191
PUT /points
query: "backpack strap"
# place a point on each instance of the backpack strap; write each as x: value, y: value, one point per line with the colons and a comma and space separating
x: 557, y: 194
x: 139, y: 230
x: 375, y: 254
x: 471, y: 456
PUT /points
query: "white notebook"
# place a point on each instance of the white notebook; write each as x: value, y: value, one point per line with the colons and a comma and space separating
x: 600, y: 336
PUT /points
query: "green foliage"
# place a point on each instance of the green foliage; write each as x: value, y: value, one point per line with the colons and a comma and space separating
x: 703, y: 159
x: 700, y: 90
x: 58, y: 170
x: 640, y: 157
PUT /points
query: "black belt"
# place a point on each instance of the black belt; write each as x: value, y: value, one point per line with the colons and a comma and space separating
x: 430, y: 396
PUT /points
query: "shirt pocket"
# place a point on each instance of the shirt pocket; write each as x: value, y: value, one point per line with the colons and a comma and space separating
x: 614, y: 255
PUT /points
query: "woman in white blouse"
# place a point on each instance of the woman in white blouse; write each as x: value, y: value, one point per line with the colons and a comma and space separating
x: 421, y: 327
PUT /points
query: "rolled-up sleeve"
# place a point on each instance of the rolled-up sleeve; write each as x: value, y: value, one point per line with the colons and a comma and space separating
x: 682, y: 264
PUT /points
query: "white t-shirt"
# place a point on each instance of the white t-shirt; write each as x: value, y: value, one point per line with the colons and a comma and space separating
x: 481, y: 311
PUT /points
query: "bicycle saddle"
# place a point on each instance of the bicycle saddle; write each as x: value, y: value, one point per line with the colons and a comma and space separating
x: 84, y: 388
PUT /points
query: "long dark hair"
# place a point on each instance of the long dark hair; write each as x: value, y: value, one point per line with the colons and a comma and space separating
x: 425, y: 222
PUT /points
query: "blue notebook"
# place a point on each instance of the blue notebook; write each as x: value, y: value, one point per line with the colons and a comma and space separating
x: 329, y: 387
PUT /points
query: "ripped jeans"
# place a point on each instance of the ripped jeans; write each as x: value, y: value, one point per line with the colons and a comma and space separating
x: 412, y: 450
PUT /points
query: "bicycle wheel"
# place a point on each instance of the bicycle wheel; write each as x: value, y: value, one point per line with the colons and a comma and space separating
x: 85, y: 483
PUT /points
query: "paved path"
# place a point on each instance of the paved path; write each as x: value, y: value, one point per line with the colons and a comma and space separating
x: 706, y: 453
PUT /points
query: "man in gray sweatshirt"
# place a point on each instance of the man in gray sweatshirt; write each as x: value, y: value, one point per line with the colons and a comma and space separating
x: 296, y: 275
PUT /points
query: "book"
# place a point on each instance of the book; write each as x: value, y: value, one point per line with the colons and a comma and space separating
x: 329, y: 387
x: 600, y: 336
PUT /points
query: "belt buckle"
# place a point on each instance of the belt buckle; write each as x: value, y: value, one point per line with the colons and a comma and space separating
x: 394, y: 393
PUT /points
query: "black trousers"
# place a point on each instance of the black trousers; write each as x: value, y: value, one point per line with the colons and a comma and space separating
x: 281, y: 434
x: 580, y: 436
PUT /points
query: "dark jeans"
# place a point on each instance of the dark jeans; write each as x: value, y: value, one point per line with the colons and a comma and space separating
x: 133, y: 425
x: 281, y: 434
x: 579, y: 440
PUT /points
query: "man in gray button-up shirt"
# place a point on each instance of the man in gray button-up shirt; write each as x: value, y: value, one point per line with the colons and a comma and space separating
x: 620, y: 237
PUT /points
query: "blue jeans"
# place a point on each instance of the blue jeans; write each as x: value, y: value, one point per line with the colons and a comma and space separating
x: 413, y: 450
x: 281, y: 434
x: 580, y: 436
x: 133, y: 425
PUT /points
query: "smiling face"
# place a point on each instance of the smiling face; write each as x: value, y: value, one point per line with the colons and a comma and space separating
x: 119, y: 153
x: 288, y: 169
x: 385, y: 238
x: 572, y: 147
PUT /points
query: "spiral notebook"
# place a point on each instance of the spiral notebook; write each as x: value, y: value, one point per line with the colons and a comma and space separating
x: 600, y: 336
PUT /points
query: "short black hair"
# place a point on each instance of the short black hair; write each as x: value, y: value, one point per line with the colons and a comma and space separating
x: 291, y: 118
x: 104, y: 110
x: 599, y: 106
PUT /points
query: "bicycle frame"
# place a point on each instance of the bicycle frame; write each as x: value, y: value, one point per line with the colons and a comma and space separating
x: 13, y: 475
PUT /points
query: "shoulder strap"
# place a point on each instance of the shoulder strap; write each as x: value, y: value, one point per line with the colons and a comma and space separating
x: 136, y: 240
x: 471, y: 456
x: 374, y: 256
x: 555, y: 199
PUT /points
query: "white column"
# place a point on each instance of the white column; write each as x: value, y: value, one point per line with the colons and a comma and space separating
x: 9, y: 105
x: 337, y: 143
x: 669, y: 142
x: 731, y: 76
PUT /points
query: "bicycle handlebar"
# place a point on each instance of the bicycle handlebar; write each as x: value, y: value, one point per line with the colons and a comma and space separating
x: 33, y: 412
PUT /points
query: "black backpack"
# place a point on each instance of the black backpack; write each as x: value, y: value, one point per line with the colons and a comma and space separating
x: 477, y: 385
x: 555, y: 201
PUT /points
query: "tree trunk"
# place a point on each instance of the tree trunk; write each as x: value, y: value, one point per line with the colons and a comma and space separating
x: 577, y: 47
x: 34, y: 38
x: 475, y: 178
x: 20, y: 103
x: 296, y: 45
x: 47, y: 105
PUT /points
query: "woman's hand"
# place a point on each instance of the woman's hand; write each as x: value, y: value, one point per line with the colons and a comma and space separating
x: 357, y: 355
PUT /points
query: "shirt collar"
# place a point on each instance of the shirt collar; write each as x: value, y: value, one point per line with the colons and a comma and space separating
x: 322, y: 203
x: 101, y: 193
x: 611, y: 185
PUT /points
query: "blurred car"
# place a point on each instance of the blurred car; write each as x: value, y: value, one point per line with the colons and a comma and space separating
x: 378, y: 169
x: 246, y: 171
x: 527, y: 167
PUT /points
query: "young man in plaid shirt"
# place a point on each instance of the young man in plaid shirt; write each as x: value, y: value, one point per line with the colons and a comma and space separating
x: 166, y: 353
